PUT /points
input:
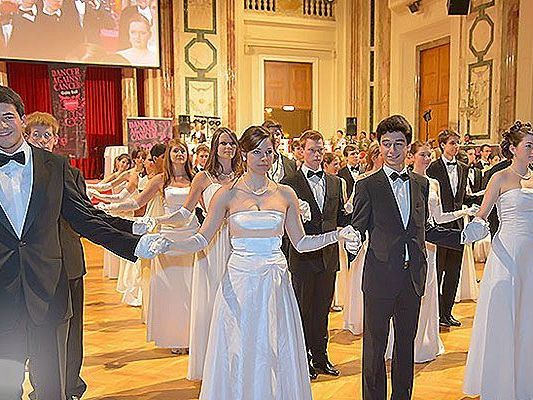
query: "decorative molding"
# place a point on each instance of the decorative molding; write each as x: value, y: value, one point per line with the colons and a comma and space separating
x: 201, y: 97
x: 203, y: 10
x: 231, y: 58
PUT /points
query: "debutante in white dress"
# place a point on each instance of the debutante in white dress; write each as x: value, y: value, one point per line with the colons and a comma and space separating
x: 169, y: 306
x: 207, y: 274
x: 256, y: 348
x: 500, y: 359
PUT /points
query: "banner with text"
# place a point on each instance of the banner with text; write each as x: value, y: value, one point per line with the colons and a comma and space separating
x: 67, y: 88
x: 145, y: 132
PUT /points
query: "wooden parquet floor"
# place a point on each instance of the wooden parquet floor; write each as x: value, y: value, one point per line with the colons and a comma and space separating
x: 120, y: 365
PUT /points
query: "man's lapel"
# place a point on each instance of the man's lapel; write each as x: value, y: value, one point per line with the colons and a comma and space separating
x: 6, y: 224
x: 41, y: 176
x: 307, y: 193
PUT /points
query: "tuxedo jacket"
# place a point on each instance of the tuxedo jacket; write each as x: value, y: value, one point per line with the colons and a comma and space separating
x: 475, y: 185
x: 93, y: 22
x: 345, y: 174
x: 328, y: 220
x: 438, y: 171
x: 71, y: 247
x: 33, y: 280
x: 289, y: 166
x: 376, y: 212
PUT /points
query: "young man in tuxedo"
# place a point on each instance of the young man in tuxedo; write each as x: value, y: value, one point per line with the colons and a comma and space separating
x: 452, y: 176
x: 283, y: 166
x: 392, y: 206
x: 36, y: 190
x: 351, y: 171
x: 484, y: 153
x: 475, y: 179
x: 313, y: 274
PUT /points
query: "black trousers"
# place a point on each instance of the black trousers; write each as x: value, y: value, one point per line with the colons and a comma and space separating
x: 45, y: 345
x: 314, y: 293
x: 404, y: 310
x: 448, y: 273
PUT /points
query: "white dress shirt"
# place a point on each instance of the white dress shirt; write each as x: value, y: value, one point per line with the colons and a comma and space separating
x: 402, y: 195
x: 317, y: 185
x: 452, y: 173
x: 146, y: 13
x: 16, y: 183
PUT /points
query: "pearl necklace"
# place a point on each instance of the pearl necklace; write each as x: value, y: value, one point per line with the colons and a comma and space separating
x: 229, y: 176
x: 258, y: 192
x: 524, y: 177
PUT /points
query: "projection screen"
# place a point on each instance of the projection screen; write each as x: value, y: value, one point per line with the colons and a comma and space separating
x: 103, y: 32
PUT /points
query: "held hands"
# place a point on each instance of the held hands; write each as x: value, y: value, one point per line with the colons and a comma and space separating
x: 305, y: 210
x: 151, y: 245
x: 101, y: 206
x: 143, y: 225
x: 352, y: 239
x: 472, y: 211
x: 476, y: 230
x: 348, y: 207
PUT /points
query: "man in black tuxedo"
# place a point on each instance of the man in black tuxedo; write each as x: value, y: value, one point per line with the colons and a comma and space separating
x: 36, y: 190
x: 392, y: 206
x: 42, y: 131
x: 314, y: 273
x: 484, y: 152
x: 283, y: 166
x: 452, y: 176
x: 351, y: 171
x: 88, y: 17
x: 475, y: 179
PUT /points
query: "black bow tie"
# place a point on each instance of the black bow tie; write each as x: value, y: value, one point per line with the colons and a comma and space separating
x: 310, y: 174
x: 354, y: 169
x: 395, y: 176
x: 17, y: 157
x: 448, y: 163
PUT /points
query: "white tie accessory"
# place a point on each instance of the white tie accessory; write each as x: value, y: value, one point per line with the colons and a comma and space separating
x: 476, y: 229
x: 143, y: 225
x: 151, y: 245
x: 305, y: 210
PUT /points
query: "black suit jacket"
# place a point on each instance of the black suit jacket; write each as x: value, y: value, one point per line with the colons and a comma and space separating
x: 345, y: 174
x: 289, y: 166
x: 494, y: 221
x: 376, y: 212
x: 476, y: 184
x: 93, y: 22
x: 33, y: 280
x: 438, y: 171
x: 333, y: 215
x: 71, y: 247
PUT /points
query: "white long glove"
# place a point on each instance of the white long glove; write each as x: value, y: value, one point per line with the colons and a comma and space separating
x: 476, y: 230
x: 177, y: 218
x: 143, y: 225
x: 128, y: 205
x: 151, y: 245
x: 112, y: 198
x: 316, y: 242
x: 100, y: 186
x: 305, y: 210
x: 190, y: 245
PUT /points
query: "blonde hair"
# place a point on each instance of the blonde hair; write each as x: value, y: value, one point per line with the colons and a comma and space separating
x: 41, y: 118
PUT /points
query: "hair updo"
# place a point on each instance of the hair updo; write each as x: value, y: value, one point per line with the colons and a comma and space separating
x: 513, y: 136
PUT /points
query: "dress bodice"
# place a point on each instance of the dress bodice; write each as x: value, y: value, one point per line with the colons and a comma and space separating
x: 209, y: 192
x: 175, y: 198
x: 515, y: 210
x: 256, y: 231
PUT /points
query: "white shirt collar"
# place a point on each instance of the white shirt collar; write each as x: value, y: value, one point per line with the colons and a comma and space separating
x: 57, y: 12
x: 32, y: 9
x: 445, y: 160
x: 388, y: 171
x: 25, y: 148
x: 305, y: 169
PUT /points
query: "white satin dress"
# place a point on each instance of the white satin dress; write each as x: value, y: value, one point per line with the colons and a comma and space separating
x: 208, y: 272
x: 500, y: 358
x: 256, y: 348
x: 169, y: 307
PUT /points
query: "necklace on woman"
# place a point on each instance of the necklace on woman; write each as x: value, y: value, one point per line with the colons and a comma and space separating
x: 257, y: 192
x: 524, y: 177
x: 224, y: 176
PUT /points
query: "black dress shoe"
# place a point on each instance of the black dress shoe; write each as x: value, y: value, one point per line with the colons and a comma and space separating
x: 444, y: 322
x: 327, y: 368
x: 453, y: 321
x: 312, y: 373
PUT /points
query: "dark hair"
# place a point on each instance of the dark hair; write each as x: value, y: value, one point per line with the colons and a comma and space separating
x: 445, y: 135
x: 484, y: 146
x: 462, y: 156
x: 9, y: 96
x: 373, y: 151
x: 270, y: 123
x: 328, y: 158
x: 395, y: 123
x: 253, y: 136
x: 202, y: 147
x: 347, y: 149
x: 168, y: 171
x: 416, y: 145
x: 138, y: 152
x: 212, y: 164
x: 158, y: 150
x: 513, y: 136
x: 294, y: 143
x: 310, y: 134
x: 120, y: 158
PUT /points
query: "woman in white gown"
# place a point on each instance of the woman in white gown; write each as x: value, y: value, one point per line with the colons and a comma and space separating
x: 256, y: 347
x: 353, y: 310
x: 428, y: 344
x: 223, y: 164
x: 500, y: 357
x: 169, y: 305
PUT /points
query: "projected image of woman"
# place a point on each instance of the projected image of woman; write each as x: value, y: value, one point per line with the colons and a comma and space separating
x: 139, y: 34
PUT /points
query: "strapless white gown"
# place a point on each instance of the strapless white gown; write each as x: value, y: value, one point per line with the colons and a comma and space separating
x: 256, y: 348
x: 169, y: 308
x: 208, y: 272
x: 500, y: 359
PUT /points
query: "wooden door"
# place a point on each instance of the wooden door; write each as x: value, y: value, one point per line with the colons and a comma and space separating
x: 434, y: 90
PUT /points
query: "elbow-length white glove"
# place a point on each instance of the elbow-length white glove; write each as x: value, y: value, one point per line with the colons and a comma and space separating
x: 128, y: 205
x: 192, y: 244
x: 305, y: 210
x: 177, y: 218
x: 100, y: 186
x: 112, y: 198
x: 316, y: 242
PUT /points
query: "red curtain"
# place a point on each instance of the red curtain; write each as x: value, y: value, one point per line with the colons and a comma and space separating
x: 103, y: 93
